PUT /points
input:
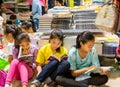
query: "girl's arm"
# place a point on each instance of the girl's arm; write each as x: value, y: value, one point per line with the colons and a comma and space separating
x: 81, y: 71
x: 94, y: 58
x: 95, y: 62
x: 39, y: 61
x: 10, y: 58
x: 39, y: 69
x: 46, y: 4
x: 15, y: 53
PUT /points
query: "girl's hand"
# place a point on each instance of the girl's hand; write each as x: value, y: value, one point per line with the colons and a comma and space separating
x: 91, y: 67
x: 104, y: 71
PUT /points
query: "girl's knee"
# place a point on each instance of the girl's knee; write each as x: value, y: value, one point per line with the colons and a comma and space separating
x: 105, y: 78
x: 21, y: 64
x: 54, y: 62
x: 15, y: 62
x: 66, y: 64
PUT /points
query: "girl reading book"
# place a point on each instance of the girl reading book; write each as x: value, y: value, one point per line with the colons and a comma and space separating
x: 22, y: 69
x: 83, y: 59
x: 28, y: 27
x: 49, y: 59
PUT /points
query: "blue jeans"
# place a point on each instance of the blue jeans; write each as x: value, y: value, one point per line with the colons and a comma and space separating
x: 52, y: 69
x: 50, y: 4
x: 36, y: 23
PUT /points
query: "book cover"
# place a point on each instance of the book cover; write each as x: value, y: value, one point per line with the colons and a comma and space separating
x: 52, y: 57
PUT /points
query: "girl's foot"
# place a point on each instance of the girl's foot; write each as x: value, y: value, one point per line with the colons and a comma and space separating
x: 24, y: 86
x: 35, y: 83
x: 92, y: 86
x: 7, y: 85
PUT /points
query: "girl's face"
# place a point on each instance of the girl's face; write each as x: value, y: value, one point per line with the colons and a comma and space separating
x: 55, y: 43
x: 9, y: 37
x: 30, y: 30
x: 25, y: 45
x: 87, y: 47
x: 57, y: 3
x: 23, y: 29
x: 13, y: 20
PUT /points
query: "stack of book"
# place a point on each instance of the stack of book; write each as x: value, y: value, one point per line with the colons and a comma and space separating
x: 45, y: 21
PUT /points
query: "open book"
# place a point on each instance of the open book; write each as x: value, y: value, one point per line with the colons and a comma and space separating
x: 99, y: 69
x: 24, y: 57
x: 52, y: 57
x: 95, y: 70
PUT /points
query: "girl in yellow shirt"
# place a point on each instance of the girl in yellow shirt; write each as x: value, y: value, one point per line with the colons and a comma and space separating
x: 51, y: 59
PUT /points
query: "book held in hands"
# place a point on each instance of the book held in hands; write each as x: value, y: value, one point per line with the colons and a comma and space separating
x: 53, y: 57
x: 27, y: 57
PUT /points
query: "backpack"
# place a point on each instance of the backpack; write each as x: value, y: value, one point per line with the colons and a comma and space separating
x: 107, y: 18
x: 3, y: 76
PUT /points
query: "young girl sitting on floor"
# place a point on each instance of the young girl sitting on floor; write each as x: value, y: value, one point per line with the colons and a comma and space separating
x: 10, y: 33
x: 51, y: 59
x: 83, y: 57
x: 22, y: 68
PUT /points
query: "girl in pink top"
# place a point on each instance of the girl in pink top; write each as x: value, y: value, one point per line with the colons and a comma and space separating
x: 22, y: 68
x: 30, y: 4
x: 44, y: 4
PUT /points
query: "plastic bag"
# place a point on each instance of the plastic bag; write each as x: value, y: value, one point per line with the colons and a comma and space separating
x: 4, y: 65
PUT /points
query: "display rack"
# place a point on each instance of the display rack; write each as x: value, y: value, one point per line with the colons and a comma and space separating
x: 23, y: 7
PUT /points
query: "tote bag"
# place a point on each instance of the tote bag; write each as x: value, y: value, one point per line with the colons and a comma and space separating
x: 107, y: 18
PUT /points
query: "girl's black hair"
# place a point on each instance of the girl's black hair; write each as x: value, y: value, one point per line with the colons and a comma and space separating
x: 27, y: 24
x: 60, y: 1
x: 20, y: 37
x: 13, y: 29
x: 1, y: 2
x: 84, y: 37
x: 57, y: 34
x: 13, y: 16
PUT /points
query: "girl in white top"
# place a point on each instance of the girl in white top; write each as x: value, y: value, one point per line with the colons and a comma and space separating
x: 10, y: 33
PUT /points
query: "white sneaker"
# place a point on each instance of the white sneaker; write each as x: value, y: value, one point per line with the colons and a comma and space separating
x: 35, y: 83
x: 47, y: 80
